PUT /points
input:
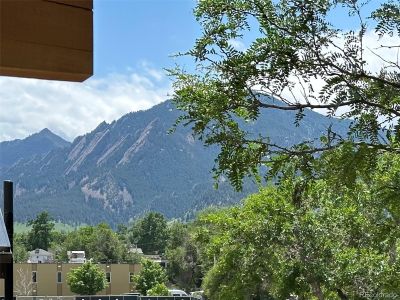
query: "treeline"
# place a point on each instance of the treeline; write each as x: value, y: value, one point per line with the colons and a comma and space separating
x: 100, y: 242
x: 153, y: 234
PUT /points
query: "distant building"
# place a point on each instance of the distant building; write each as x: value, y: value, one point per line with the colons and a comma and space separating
x: 76, y: 257
x: 136, y: 250
x: 40, y: 256
x: 158, y: 259
x: 51, y: 279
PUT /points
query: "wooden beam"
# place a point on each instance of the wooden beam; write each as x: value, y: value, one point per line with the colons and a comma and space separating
x: 78, y: 3
x: 47, y: 39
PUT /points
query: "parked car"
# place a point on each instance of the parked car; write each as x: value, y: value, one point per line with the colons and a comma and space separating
x: 198, y: 295
x: 177, y: 293
x: 133, y: 294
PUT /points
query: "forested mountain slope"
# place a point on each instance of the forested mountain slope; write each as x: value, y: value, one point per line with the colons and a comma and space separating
x: 123, y: 169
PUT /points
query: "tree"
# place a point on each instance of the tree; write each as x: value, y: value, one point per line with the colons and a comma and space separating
x: 20, y: 254
x: 150, y: 233
x: 159, y: 289
x: 99, y: 242
x: 105, y: 246
x: 23, y: 283
x: 329, y: 227
x: 57, y: 240
x: 295, y: 60
x: 88, y: 279
x: 122, y: 233
x: 40, y: 235
x: 184, y: 265
x: 150, y: 275
x: 333, y: 243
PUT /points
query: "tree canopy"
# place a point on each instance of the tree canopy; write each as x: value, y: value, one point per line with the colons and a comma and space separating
x: 293, y: 58
x: 326, y: 226
x: 150, y: 233
x: 159, y: 289
x: 340, y: 243
x: 151, y: 276
x: 88, y: 279
x: 99, y: 242
x: 40, y: 236
x: 184, y: 265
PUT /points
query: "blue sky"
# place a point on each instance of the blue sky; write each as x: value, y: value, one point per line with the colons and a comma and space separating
x: 133, y: 42
x: 130, y: 32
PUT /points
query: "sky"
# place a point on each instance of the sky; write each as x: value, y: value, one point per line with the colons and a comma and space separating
x: 133, y: 44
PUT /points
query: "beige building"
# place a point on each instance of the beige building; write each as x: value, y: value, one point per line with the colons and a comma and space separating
x: 50, y: 279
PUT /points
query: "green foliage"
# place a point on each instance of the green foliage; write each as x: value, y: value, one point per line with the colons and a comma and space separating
x: 177, y: 234
x: 131, y: 258
x: 318, y: 242
x: 100, y: 243
x: 160, y: 289
x: 184, y: 265
x: 41, y: 233
x: 122, y: 233
x: 329, y: 229
x: 388, y: 18
x: 282, y: 68
x: 20, y: 253
x: 150, y: 233
x: 88, y: 279
x: 150, y: 275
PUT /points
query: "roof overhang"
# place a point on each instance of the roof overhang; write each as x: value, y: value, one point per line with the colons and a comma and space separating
x: 46, y: 39
x: 5, y: 248
x: 4, y: 240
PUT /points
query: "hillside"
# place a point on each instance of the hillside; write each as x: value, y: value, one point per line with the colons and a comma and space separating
x: 123, y: 169
x: 37, y: 144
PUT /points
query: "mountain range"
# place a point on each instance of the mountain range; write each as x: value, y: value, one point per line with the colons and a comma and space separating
x: 121, y: 170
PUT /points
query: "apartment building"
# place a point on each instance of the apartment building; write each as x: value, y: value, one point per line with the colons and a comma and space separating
x: 49, y: 279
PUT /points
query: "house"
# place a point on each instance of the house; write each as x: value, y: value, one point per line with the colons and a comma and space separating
x: 40, y: 256
x: 76, y: 257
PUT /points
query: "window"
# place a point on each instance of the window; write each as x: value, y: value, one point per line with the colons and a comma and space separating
x: 108, y: 276
x: 131, y: 277
x: 34, y: 276
x: 59, y: 278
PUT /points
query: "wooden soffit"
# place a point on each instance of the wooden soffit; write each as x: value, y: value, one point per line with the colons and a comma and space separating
x: 46, y: 39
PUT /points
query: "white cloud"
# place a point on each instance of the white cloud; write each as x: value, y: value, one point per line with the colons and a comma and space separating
x: 374, y: 52
x: 72, y: 109
x: 237, y: 44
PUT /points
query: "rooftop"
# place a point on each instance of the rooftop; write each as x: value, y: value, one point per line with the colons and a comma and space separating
x: 40, y: 252
x: 4, y: 241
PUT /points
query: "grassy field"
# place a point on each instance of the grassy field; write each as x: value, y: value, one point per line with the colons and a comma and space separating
x: 23, y: 227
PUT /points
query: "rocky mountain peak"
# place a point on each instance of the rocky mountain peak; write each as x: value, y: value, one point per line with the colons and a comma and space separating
x: 121, y: 170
